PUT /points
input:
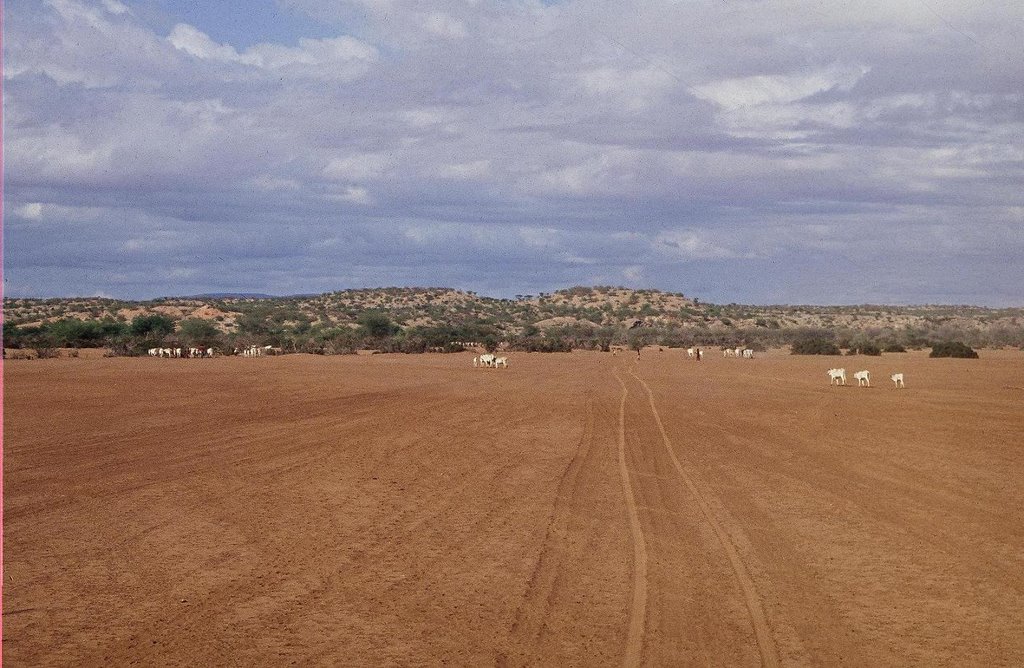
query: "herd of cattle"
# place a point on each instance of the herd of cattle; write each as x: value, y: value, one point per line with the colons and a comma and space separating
x: 490, y: 361
x: 863, y: 378
x: 181, y: 352
x: 836, y: 376
x: 191, y: 353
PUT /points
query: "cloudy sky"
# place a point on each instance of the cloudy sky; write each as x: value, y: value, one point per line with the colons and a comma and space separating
x: 753, y: 151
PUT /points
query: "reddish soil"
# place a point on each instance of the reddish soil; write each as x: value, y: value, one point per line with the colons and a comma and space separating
x: 583, y: 509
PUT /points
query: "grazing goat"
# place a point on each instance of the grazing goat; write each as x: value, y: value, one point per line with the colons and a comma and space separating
x: 500, y: 361
x: 836, y: 375
x: 863, y: 378
x: 898, y: 379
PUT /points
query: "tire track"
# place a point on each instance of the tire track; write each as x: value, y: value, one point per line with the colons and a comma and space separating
x: 543, y: 586
x: 758, y: 619
x: 638, y: 608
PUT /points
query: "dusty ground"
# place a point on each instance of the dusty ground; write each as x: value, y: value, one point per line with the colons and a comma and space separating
x: 580, y: 509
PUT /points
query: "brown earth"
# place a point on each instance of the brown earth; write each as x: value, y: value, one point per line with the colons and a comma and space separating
x: 583, y: 509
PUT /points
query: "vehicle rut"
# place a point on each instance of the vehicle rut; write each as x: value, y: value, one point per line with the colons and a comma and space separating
x: 759, y: 620
x: 536, y: 605
x: 638, y: 607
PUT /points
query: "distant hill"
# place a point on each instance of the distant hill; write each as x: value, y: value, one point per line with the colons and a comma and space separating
x: 232, y: 295
x: 577, y: 309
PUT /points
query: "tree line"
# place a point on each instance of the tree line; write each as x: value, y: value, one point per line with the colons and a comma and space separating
x: 375, y: 329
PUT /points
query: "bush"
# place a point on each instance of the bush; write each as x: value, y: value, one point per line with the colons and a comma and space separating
x: 894, y: 348
x: 814, y: 346
x: 155, y: 325
x: 199, y: 332
x: 953, y: 349
x: 377, y: 325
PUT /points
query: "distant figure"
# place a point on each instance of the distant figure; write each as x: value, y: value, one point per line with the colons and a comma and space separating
x: 638, y: 353
x: 700, y: 354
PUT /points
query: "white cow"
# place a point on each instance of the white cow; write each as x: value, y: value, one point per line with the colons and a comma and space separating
x: 748, y: 354
x: 863, y: 378
x: 487, y: 360
x: 154, y: 352
x: 500, y: 361
x: 728, y: 352
x: 209, y: 352
x: 898, y: 379
x: 476, y: 362
x: 836, y: 375
x: 690, y: 352
x: 738, y: 352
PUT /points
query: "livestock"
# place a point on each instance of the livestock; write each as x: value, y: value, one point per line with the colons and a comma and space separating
x: 690, y: 352
x: 209, y: 352
x: 836, y: 375
x: 487, y: 360
x: 738, y: 352
x: 863, y: 378
x: 728, y: 352
x: 898, y: 379
x: 476, y: 362
x: 500, y: 361
x: 748, y: 354
x: 154, y: 352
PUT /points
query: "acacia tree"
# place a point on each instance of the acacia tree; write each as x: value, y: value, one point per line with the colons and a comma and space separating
x: 198, y: 332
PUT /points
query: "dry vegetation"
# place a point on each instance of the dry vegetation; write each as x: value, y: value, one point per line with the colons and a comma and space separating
x: 421, y: 319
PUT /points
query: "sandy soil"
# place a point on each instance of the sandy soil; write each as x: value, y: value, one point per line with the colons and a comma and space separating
x: 583, y: 509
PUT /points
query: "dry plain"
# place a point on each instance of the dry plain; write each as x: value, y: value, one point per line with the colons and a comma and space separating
x: 575, y: 509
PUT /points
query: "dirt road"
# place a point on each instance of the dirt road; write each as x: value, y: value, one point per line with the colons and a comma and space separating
x: 583, y: 509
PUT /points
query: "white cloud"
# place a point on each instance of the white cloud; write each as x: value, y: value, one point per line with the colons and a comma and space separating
x: 310, y: 54
x: 115, y: 7
x: 32, y: 210
x: 354, y: 195
x: 466, y: 170
x: 358, y: 166
x: 780, y: 88
x: 197, y: 43
x: 693, y: 245
x: 442, y: 25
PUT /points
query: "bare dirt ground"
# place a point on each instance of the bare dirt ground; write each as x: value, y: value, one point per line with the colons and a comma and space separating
x: 583, y: 509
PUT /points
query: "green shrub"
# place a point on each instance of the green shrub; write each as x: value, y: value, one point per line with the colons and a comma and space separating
x: 151, y: 325
x: 953, y: 349
x: 814, y: 346
x: 894, y: 348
